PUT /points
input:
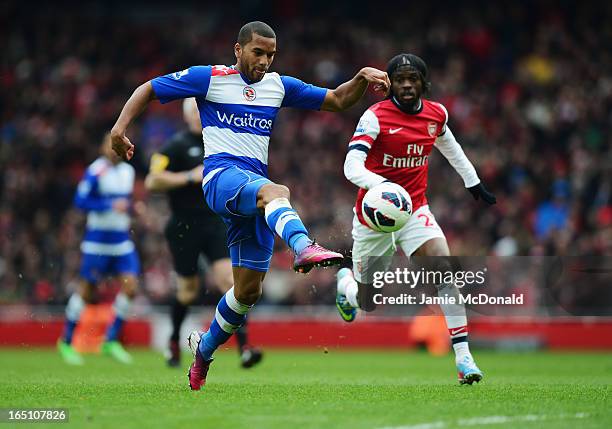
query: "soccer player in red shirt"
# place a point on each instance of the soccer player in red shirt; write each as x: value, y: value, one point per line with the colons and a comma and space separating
x: 392, y: 143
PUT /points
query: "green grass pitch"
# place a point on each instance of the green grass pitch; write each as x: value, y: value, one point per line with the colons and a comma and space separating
x: 313, y: 389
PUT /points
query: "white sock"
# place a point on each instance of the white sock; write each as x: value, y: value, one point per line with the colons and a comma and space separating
x: 341, y: 283
x: 122, y: 305
x: 347, y: 286
x: 75, y: 307
x: 462, y: 349
x: 351, y: 293
x: 453, y: 313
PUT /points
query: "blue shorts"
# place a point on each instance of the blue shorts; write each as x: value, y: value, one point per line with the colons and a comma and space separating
x: 232, y: 194
x: 95, y: 267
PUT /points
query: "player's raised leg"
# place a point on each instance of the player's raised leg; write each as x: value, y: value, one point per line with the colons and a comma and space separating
x: 76, y: 305
x: 455, y: 315
x: 112, y: 347
x: 282, y: 218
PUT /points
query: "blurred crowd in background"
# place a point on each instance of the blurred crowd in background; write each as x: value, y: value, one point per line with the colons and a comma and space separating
x: 528, y: 87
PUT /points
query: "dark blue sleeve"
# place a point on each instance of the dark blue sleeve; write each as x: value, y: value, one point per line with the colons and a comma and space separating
x: 191, y: 82
x: 87, y: 197
x: 302, y: 95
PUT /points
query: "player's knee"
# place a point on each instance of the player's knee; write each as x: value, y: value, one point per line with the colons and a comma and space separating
x: 270, y: 192
x: 187, y: 290
x: 440, y: 250
x: 249, y: 295
x: 186, y: 296
x: 86, y: 291
x: 283, y: 192
x: 129, y: 286
x: 434, y: 247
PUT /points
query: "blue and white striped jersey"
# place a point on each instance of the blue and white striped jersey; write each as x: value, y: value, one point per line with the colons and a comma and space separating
x: 237, y: 115
x: 107, y: 230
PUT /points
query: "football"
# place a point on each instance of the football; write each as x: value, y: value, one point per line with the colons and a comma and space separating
x: 386, y: 207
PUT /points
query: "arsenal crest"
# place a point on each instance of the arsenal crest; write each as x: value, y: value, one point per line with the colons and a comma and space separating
x: 431, y: 129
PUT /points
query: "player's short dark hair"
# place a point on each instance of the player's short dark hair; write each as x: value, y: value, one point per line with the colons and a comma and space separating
x: 414, y: 62
x: 245, y: 35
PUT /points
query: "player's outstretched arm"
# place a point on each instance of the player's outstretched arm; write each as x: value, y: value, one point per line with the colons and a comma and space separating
x: 349, y: 93
x: 136, y: 104
x: 452, y: 151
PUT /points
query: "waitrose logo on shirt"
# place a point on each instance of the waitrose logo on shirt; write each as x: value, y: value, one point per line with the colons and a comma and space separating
x: 244, y: 121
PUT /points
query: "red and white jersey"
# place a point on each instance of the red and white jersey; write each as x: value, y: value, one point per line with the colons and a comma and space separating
x: 398, y: 146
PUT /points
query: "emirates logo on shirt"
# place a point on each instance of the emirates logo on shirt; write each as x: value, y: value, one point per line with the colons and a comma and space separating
x: 249, y: 93
x: 431, y: 129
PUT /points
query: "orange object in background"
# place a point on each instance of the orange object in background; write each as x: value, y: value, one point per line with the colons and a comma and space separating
x: 430, y: 329
x: 91, y: 330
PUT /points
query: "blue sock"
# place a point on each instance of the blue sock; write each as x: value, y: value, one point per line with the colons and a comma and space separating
x: 284, y: 220
x: 299, y: 242
x: 69, y: 330
x: 113, y: 330
x: 229, y: 316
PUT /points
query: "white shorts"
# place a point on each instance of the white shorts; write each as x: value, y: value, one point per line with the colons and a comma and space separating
x: 367, y: 243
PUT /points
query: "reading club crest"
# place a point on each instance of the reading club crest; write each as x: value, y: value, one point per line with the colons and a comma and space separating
x: 249, y: 93
x: 431, y: 129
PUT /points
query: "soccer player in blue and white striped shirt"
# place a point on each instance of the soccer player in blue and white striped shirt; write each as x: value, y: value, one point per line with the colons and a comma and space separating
x: 107, y: 251
x: 238, y: 106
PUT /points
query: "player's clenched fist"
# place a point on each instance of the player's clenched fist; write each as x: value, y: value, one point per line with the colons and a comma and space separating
x: 122, y: 145
x: 379, y: 78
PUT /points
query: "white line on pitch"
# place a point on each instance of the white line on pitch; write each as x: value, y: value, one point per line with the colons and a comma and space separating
x: 489, y: 420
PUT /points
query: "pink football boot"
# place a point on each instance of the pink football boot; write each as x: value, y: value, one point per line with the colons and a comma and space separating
x: 315, y: 256
x: 199, y: 367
